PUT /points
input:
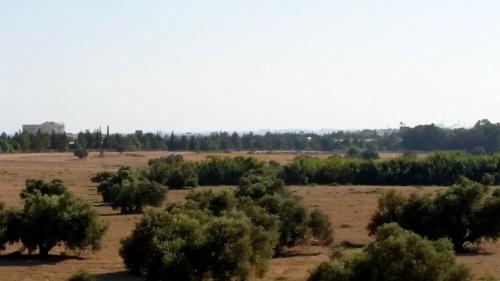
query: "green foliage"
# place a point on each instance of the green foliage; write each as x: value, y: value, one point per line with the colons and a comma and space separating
x: 369, y: 155
x: 173, y: 172
x: 225, y: 235
x: 464, y: 213
x: 296, y: 223
x: 101, y: 177
x: 81, y: 153
x: 443, y: 168
x: 226, y: 171
x: 50, y: 218
x: 54, y: 187
x: 9, y: 226
x: 483, y: 138
x: 130, y: 190
x: 188, y: 243
x: 352, y: 153
x: 396, y: 254
x: 82, y: 276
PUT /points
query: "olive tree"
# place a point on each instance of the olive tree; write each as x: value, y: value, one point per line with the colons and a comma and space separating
x: 129, y: 190
x: 297, y: 223
x: 188, y: 243
x: 465, y: 213
x: 49, y: 220
x: 396, y: 254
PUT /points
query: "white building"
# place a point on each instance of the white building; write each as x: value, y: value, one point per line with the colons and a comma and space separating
x: 44, y: 128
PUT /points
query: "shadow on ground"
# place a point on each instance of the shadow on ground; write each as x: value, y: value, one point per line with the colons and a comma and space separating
x: 19, y: 259
x: 117, y: 276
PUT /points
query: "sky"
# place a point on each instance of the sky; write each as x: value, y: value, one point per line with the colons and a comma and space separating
x: 248, y: 65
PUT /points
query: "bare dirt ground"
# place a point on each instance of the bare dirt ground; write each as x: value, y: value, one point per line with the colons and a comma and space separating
x: 349, y: 208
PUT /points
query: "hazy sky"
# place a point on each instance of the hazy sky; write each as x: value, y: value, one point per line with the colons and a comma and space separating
x: 240, y: 65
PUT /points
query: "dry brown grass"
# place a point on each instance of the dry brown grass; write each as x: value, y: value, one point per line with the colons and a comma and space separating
x: 348, y: 207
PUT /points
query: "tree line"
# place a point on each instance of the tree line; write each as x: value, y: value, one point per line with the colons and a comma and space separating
x: 483, y: 137
x: 440, y: 168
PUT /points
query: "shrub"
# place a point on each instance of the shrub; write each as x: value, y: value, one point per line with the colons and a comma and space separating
x: 396, y: 254
x: 224, y: 235
x: 488, y: 179
x: 81, y: 153
x: 369, y: 155
x: 352, y: 153
x: 59, y: 219
x: 225, y: 170
x: 54, y: 187
x: 464, y: 213
x: 186, y: 243
x: 82, y: 276
x: 131, y: 191
x: 173, y: 172
x: 443, y: 168
x: 296, y: 223
x: 9, y: 226
x: 49, y: 219
x: 101, y: 176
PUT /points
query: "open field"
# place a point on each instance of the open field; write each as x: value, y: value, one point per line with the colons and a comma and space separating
x: 348, y: 207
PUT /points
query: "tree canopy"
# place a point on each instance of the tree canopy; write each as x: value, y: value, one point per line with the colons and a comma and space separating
x: 396, y: 254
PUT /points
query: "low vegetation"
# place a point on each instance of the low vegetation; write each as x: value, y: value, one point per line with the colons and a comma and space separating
x: 465, y: 213
x: 81, y: 153
x: 82, y: 276
x: 396, y: 254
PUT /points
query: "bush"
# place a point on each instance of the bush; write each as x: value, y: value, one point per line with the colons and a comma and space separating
x: 444, y: 168
x: 224, y: 235
x: 82, y: 276
x: 9, y: 226
x: 226, y: 171
x: 186, y: 243
x: 51, y: 219
x: 81, y: 153
x: 296, y: 223
x: 54, y: 187
x: 101, y: 176
x: 173, y: 172
x: 352, y: 153
x: 396, y: 254
x: 369, y: 155
x: 131, y: 191
x: 464, y: 213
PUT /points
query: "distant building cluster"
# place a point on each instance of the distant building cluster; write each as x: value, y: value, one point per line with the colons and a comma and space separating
x: 44, y: 128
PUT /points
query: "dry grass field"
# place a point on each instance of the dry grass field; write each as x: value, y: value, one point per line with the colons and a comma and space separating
x: 348, y: 207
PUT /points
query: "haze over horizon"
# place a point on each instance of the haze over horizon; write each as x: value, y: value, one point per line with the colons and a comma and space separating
x: 248, y: 65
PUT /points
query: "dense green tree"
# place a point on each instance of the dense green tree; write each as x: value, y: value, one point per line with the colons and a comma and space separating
x: 54, y: 187
x: 465, y: 213
x: 130, y: 191
x: 186, y: 243
x: 396, y: 254
x: 50, y: 220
